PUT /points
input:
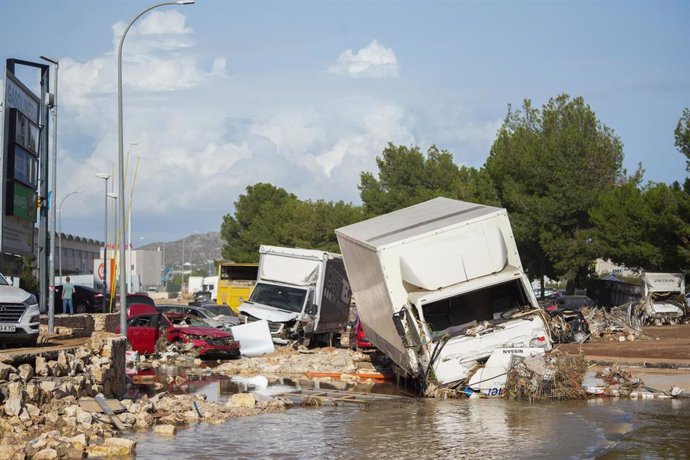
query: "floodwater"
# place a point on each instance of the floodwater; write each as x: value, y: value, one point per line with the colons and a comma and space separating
x: 418, y: 428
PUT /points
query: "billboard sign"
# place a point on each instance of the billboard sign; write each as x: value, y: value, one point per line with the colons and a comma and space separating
x: 19, y: 166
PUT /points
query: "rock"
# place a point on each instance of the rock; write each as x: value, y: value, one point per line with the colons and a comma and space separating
x: 16, y: 390
x: 168, y: 430
x: 48, y: 386
x: 26, y: 372
x: 630, y: 337
x: 46, y: 454
x: 13, y: 406
x: 85, y: 419
x: 33, y: 411
x: 78, y: 442
x: 41, y: 367
x: 134, y: 408
x: 125, y: 446
x: 5, y: 371
x: 242, y: 400
x: 621, y: 338
x: 11, y: 452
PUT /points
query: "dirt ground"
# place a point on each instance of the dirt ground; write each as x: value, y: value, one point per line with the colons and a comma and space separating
x: 668, y: 345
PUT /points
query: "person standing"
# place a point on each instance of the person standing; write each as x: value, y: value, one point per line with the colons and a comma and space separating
x: 67, y: 291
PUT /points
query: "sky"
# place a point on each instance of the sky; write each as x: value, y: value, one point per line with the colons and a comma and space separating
x: 305, y: 94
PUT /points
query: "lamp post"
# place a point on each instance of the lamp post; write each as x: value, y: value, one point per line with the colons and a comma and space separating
x: 60, y: 229
x: 105, y: 177
x: 121, y: 161
x: 129, y: 217
x: 51, y: 204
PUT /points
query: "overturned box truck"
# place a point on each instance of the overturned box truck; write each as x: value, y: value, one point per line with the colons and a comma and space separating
x: 439, y: 287
x: 304, y: 294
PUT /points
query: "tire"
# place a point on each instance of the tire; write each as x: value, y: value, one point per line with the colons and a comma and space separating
x: 80, y: 308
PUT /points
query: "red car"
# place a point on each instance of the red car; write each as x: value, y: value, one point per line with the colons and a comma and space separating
x: 144, y: 328
x: 358, y: 340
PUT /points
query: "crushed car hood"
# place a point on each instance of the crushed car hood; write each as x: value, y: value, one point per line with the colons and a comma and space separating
x: 260, y: 311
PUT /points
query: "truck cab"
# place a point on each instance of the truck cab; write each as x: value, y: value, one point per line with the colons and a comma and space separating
x: 302, y: 293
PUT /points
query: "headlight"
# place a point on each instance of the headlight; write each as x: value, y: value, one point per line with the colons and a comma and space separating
x: 194, y: 337
x: 29, y: 301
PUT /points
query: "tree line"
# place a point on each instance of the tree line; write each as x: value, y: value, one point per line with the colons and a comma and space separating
x: 558, y: 171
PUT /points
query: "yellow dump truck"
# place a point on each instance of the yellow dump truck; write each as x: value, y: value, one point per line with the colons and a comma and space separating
x: 235, y: 281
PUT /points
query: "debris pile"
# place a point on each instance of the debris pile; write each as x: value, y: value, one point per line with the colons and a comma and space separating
x: 286, y: 362
x: 55, y: 398
x: 559, y: 376
x: 618, y: 324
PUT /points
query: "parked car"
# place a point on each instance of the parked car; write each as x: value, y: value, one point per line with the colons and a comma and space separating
x: 219, y: 316
x: 200, y: 297
x: 358, y: 339
x: 147, y: 326
x: 84, y: 299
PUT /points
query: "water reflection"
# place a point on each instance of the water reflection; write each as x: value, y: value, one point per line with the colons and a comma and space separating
x: 430, y: 428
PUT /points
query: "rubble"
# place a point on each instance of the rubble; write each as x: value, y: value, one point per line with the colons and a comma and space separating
x: 618, y: 324
x: 47, y: 398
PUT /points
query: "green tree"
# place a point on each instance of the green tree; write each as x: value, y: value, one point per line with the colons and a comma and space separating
x: 269, y: 215
x: 548, y: 167
x: 407, y: 177
x: 682, y: 135
x: 644, y: 227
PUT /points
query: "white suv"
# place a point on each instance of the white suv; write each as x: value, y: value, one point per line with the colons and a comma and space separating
x: 19, y: 315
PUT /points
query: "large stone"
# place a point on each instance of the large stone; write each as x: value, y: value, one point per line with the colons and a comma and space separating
x: 125, y: 446
x: 5, y: 371
x: 242, y: 400
x: 84, y: 419
x: 26, y: 372
x: 16, y: 390
x: 41, y: 367
x: 11, y: 452
x: 168, y: 430
x: 78, y: 442
x: 48, y: 386
x: 33, y: 410
x: 13, y: 406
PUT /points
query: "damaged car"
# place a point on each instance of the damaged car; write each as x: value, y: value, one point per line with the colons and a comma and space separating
x: 147, y: 327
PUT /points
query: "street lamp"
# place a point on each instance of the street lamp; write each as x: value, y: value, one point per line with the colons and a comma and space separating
x: 105, y: 177
x: 129, y: 217
x: 53, y: 185
x: 121, y: 161
x: 59, y: 210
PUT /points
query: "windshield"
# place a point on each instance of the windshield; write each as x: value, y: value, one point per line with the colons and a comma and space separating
x: 184, y: 321
x: 282, y: 297
x: 218, y: 310
x: 3, y: 281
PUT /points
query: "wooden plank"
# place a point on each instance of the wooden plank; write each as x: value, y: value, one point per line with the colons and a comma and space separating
x: 90, y: 405
x: 109, y: 412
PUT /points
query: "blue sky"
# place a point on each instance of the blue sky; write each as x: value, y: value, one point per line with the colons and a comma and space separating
x: 305, y: 94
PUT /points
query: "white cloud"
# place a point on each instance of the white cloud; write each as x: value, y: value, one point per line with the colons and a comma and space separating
x: 203, y: 139
x: 373, y: 61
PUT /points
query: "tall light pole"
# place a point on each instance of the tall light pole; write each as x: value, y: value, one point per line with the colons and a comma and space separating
x: 51, y: 204
x: 129, y: 217
x: 60, y: 229
x: 121, y: 161
x: 105, y: 177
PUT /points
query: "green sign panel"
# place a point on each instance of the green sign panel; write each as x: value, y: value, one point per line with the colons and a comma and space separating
x: 23, y: 202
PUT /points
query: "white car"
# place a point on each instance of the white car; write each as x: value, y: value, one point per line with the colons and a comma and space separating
x: 19, y: 315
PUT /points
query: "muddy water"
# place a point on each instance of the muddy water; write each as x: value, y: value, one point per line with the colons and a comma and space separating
x: 432, y: 429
